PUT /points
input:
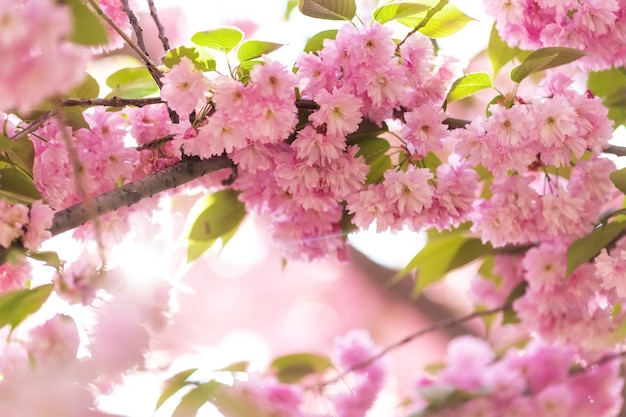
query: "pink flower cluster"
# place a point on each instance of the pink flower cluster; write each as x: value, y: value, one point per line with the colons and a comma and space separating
x: 595, y: 26
x: 543, y: 380
x: 29, y: 224
x: 39, y: 62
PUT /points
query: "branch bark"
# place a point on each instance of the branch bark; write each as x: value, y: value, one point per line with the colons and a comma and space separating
x: 186, y: 170
x: 110, y: 102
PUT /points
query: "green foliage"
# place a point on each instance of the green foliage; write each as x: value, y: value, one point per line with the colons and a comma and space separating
x: 216, y: 216
x: 446, y: 20
x: 49, y: 258
x: 443, y: 253
x: 366, y: 129
x: 87, y: 27
x: 393, y: 11
x: 378, y: 168
x: 201, y: 57
x: 543, y: 59
x: 132, y: 83
x: 619, y: 179
x: 499, y: 52
x: 372, y: 148
x: 588, y: 247
x: 196, y: 398
x: 467, y: 85
x: 222, y: 39
x: 15, y: 306
x: 18, y: 152
x: 291, y: 5
x: 316, y: 42
x: 255, y: 49
x: 17, y: 187
x: 294, y: 367
x: 328, y: 9
x: 611, y: 86
x: 173, y: 385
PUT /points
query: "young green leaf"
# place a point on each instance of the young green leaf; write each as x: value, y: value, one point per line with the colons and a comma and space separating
x: 372, y: 148
x: 17, y: 187
x: 89, y: 88
x: 196, y: 398
x: 588, y: 247
x: 173, y: 385
x: 445, y: 22
x: 543, y: 59
x: 393, y: 11
x: 222, y: 39
x: 469, y: 84
x: 88, y: 28
x: 500, y: 53
x: 254, y: 49
x: 20, y: 152
x: 49, y: 258
x: 132, y: 83
x: 619, y: 179
x: 213, y: 217
x: 15, y: 306
x: 378, y: 167
x: 201, y: 57
x: 294, y: 367
x: 328, y: 9
x: 316, y: 42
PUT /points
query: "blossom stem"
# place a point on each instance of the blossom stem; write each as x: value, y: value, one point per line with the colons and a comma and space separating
x: 153, y: 12
x: 110, y: 102
x: 32, y: 126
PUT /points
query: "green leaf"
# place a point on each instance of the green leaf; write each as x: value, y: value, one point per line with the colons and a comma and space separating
x: 212, y: 217
x: 469, y: 84
x: 17, y: 187
x: 196, y: 398
x: 393, y: 11
x: 173, y: 384
x: 87, y: 27
x: 294, y: 367
x: 291, y: 5
x: 500, y: 53
x: 222, y: 39
x: 619, y: 179
x: 49, y: 258
x: 543, y: 59
x: 15, y: 306
x: 20, y: 152
x: 378, y: 168
x: 201, y: 57
x: 89, y: 88
x: 132, y: 83
x: 447, y: 21
x: 328, y: 9
x: 254, y: 49
x: 372, y: 148
x: 432, y: 261
x: 588, y: 247
x: 316, y: 42
x: 241, y: 366
x: 603, y: 83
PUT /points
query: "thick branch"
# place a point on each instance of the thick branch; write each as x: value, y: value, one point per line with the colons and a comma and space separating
x: 111, y: 102
x: 615, y: 150
x: 186, y: 170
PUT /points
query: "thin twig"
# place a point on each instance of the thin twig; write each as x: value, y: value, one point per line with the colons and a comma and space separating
x: 186, y: 170
x: 452, y: 321
x: 34, y: 125
x: 134, y: 23
x: 159, y: 25
x: 424, y: 21
x: 110, y: 102
x: 154, y: 71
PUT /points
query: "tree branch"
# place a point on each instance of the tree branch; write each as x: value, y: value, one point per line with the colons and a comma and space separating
x: 110, y: 102
x: 34, y: 125
x: 186, y: 170
x: 160, y: 28
x: 154, y: 71
x: 615, y: 150
x: 452, y: 321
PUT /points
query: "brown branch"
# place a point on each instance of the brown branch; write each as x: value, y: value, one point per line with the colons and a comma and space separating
x: 615, y: 150
x: 452, y: 321
x: 110, y: 102
x: 154, y: 71
x: 159, y: 25
x: 34, y: 125
x: 186, y: 170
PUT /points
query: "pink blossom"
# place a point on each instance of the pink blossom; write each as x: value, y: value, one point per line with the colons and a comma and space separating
x: 40, y: 220
x: 424, y: 129
x: 409, y: 190
x: 339, y: 112
x: 149, y: 123
x: 13, y: 276
x: 13, y: 217
x: 184, y: 87
x: 56, y: 341
x: 317, y: 148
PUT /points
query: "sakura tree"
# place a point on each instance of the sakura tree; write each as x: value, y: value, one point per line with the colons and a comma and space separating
x: 362, y: 129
